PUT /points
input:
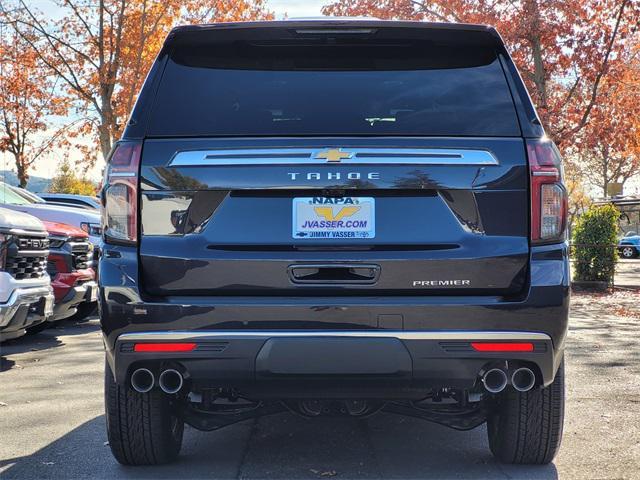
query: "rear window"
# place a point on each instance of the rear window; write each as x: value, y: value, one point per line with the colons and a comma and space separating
x: 365, y: 88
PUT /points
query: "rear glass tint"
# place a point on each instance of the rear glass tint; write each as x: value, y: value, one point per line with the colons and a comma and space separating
x: 367, y: 88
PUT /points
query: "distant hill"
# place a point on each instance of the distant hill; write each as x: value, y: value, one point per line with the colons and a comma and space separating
x: 36, y: 184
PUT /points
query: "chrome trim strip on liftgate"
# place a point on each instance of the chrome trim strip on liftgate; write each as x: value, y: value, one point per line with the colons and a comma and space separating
x: 315, y: 156
x: 401, y: 335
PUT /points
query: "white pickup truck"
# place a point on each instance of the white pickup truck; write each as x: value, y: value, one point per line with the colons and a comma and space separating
x: 26, y: 296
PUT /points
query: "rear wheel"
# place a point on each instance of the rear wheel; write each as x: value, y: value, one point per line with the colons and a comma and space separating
x: 526, y: 428
x: 141, y: 427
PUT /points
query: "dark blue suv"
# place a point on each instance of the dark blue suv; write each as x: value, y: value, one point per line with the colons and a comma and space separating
x: 334, y: 217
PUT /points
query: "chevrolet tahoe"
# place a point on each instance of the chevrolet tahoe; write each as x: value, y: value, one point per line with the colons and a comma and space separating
x: 334, y: 217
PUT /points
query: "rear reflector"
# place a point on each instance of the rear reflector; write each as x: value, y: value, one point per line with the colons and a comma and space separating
x: 164, y: 347
x: 502, y: 347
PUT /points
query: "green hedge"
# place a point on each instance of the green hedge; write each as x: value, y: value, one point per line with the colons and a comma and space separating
x: 594, y: 238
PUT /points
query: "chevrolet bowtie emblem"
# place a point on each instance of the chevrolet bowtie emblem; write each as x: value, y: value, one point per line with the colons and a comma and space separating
x: 333, y: 155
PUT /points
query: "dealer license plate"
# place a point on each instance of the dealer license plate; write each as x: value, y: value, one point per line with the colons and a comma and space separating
x: 334, y: 218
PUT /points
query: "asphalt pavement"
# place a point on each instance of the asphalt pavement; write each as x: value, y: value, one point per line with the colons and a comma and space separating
x: 52, y: 421
x: 628, y: 273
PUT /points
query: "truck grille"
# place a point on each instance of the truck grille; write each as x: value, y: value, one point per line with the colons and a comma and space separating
x: 82, y: 254
x: 27, y: 267
x: 27, y: 257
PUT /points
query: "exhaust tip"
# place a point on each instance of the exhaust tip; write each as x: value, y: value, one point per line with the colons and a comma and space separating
x: 523, y: 379
x: 142, y: 380
x: 170, y: 381
x: 494, y: 380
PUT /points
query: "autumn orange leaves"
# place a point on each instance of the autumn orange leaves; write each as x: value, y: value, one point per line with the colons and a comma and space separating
x: 90, y: 58
x: 28, y: 97
x: 84, y: 62
x: 580, y: 60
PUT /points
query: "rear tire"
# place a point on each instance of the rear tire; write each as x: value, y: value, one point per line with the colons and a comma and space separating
x: 526, y: 428
x: 141, y: 427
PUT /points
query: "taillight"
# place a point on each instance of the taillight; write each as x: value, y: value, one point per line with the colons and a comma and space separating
x: 164, y: 347
x: 502, y: 347
x: 548, y: 195
x: 120, y: 194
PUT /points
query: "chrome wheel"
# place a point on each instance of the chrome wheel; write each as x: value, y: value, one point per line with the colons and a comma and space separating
x: 628, y: 252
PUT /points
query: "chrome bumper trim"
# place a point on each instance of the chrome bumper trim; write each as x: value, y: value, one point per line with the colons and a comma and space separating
x: 401, y: 335
x: 25, y: 296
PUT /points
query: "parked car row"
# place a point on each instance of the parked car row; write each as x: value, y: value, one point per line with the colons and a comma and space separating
x: 24, y: 201
x: 47, y: 262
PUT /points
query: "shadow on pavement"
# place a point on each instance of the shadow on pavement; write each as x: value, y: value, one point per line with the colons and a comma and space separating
x: 28, y: 343
x: 47, y: 338
x: 287, y: 446
x: 6, y: 364
x: 75, y: 327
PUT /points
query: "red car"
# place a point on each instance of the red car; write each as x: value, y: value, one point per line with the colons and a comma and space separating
x: 70, y: 266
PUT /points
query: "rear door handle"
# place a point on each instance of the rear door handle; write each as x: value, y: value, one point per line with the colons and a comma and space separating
x: 343, y: 273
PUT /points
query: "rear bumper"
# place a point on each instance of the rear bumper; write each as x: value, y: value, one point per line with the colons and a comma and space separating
x: 24, y: 308
x: 388, y: 364
x: 424, y: 339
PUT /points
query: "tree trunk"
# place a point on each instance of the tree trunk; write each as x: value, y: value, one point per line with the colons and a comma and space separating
x: 539, y: 69
x: 106, y: 122
x: 605, y: 175
x: 105, y: 139
x: 23, y: 176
